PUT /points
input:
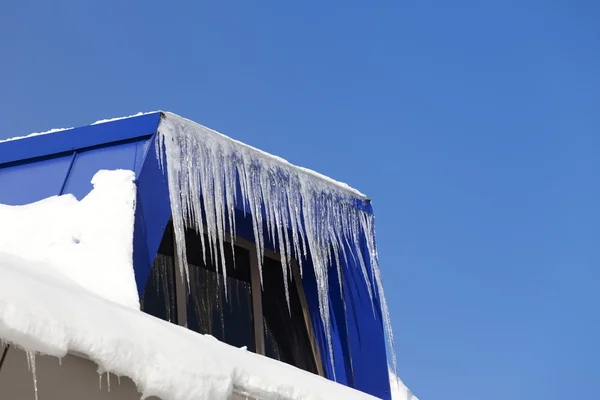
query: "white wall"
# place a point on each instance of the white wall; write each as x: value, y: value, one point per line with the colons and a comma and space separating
x: 75, y: 379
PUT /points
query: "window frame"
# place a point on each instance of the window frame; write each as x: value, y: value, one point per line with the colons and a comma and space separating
x: 257, y: 294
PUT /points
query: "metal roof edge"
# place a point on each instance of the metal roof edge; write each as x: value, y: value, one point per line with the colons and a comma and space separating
x: 79, y: 138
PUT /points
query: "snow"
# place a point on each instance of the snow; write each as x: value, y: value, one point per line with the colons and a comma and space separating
x: 103, y: 121
x: 85, y: 240
x: 399, y: 391
x: 35, y: 134
x: 53, y: 300
x: 50, y: 314
x: 204, y: 168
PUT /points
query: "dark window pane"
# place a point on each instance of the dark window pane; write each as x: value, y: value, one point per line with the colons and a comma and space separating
x: 271, y: 346
x: 230, y: 319
x: 159, y: 294
x: 286, y: 337
x: 209, y: 311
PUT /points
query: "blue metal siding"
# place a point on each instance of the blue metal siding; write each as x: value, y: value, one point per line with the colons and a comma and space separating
x: 88, y: 162
x: 78, y: 138
x: 341, y: 347
x: 365, y: 332
x: 29, y: 182
x: 153, y: 211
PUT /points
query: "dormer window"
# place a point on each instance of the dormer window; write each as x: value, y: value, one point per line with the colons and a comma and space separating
x: 248, y: 315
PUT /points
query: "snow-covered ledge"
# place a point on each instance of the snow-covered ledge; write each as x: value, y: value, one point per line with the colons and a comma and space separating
x: 89, y: 242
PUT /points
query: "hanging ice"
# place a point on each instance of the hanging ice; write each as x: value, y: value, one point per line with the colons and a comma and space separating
x: 204, y: 170
x: 31, y: 366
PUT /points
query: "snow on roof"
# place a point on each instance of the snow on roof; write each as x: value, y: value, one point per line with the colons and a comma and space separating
x: 54, y: 130
x: 54, y: 301
x: 101, y: 121
x: 51, y: 314
x: 89, y: 241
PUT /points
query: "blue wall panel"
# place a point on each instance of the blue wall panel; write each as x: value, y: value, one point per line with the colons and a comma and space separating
x: 79, y: 138
x: 88, y: 162
x: 153, y: 211
x: 29, y: 182
x: 141, y: 151
x: 365, y: 332
x: 341, y: 348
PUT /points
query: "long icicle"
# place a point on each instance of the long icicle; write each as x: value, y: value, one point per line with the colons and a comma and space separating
x: 204, y: 168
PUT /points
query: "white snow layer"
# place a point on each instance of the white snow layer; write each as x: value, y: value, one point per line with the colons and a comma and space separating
x: 399, y: 390
x: 54, y: 130
x: 101, y: 121
x: 88, y: 241
x: 204, y: 168
x: 57, y: 257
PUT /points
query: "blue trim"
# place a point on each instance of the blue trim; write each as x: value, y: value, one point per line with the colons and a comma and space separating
x: 365, y: 329
x: 152, y: 213
x: 79, y: 138
x: 62, y: 188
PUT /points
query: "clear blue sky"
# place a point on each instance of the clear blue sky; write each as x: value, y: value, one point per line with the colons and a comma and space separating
x: 473, y: 125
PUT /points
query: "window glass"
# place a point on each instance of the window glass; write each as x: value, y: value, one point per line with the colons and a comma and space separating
x: 209, y: 311
x: 286, y: 337
x: 271, y: 346
x: 229, y: 318
x: 159, y: 295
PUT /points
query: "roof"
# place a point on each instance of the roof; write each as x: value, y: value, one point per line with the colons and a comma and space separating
x: 329, y: 224
x: 58, y: 141
x: 120, y: 129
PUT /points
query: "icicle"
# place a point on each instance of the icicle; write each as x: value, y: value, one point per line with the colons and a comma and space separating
x: 369, y: 226
x: 162, y: 274
x: 108, y: 380
x: 30, y: 355
x: 31, y: 366
x: 307, y: 216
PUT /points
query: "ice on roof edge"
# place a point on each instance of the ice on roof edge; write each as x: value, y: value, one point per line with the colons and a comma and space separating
x: 273, y: 157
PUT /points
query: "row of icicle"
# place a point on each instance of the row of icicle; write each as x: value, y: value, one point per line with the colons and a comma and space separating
x: 306, y: 215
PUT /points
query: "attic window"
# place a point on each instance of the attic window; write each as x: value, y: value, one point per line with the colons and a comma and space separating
x: 250, y: 316
x: 286, y: 336
x: 229, y: 319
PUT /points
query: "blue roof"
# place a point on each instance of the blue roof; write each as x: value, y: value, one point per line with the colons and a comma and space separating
x: 69, y: 140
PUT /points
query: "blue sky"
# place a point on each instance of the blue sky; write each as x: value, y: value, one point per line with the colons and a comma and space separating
x: 474, y: 127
